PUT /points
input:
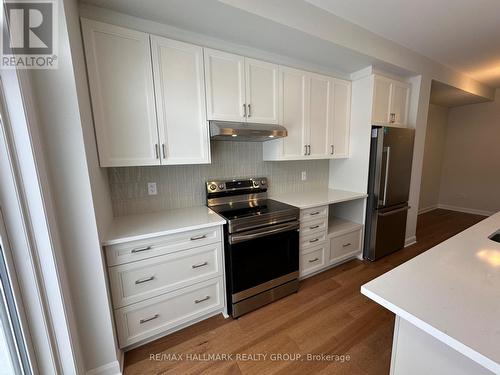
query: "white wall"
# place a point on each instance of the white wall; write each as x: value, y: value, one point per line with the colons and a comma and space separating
x: 471, y: 166
x: 61, y: 120
x: 433, y: 157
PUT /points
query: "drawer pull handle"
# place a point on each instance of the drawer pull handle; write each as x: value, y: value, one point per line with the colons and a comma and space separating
x: 199, y: 265
x: 142, y: 321
x: 314, y: 227
x: 202, y: 300
x: 145, y: 280
x: 314, y: 213
x: 198, y: 237
x: 346, y: 244
x: 139, y: 249
x: 314, y: 240
x: 313, y: 260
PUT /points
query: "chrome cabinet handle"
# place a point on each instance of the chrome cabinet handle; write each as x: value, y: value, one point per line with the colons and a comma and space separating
x: 163, y: 149
x: 393, y: 118
x: 313, y: 260
x: 198, y: 237
x: 157, y: 153
x: 314, y: 227
x: 249, y: 110
x: 305, y: 149
x: 314, y: 213
x: 309, y: 147
x: 202, y: 300
x: 244, y: 110
x: 346, y: 244
x: 139, y: 249
x: 145, y: 280
x: 314, y: 240
x: 142, y: 321
x: 199, y: 265
x: 332, y: 150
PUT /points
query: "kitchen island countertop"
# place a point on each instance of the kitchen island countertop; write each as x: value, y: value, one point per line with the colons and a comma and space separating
x: 451, y: 292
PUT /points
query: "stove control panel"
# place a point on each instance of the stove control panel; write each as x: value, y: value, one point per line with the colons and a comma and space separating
x: 236, y: 185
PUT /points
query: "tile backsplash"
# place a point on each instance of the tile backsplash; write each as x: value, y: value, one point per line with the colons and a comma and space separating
x: 184, y: 185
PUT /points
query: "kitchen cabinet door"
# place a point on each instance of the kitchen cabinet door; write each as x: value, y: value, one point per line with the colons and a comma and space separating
x: 320, y: 114
x: 180, y: 102
x: 381, y: 100
x: 339, y: 131
x: 261, y: 91
x: 121, y: 89
x: 400, y: 95
x: 294, y: 86
x: 225, y: 86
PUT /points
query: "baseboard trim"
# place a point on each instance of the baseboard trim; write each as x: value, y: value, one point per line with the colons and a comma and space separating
x: 428, y: 209
x: 112, y: 368
x: 465, y: 210
x: 410, y: 241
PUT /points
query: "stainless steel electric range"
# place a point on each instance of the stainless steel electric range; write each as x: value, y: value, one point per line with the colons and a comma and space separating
x: 261, y: 243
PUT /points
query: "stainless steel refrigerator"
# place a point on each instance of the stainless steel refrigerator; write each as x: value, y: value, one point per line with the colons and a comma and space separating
x: 391, y: 154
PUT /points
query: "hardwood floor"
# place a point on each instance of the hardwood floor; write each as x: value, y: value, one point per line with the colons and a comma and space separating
x: 328, y: 315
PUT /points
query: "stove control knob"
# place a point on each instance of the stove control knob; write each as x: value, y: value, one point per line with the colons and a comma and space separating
x: 213, y: 187
x: 221, y: 186
x: 263, y: 182
x: 256, y: 184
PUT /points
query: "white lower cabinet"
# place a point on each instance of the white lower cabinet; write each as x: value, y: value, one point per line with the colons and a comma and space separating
x: 162, y: 284
x: 326, y: 241
x: 165, y: 313
x: 345, y: 246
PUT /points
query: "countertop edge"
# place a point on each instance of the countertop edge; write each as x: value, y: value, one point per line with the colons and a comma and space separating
x: 356, y: 196
x: 162, y: 233
x: 434, y: 332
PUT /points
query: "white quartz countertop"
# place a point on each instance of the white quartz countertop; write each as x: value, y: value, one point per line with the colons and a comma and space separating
x: 315, y: 198
x: 452, y: 292
x: 137, y: 227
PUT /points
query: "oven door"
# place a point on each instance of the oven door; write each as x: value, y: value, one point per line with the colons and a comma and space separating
x: 262, y: 259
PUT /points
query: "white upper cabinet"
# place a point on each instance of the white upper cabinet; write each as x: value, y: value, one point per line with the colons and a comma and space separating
x: 180, y: 101
x: 339, y: 132
x: 316, y: 111
x: 320, y: 115
x: 122, y: 94
x: 240, y: 89
x: 400, y: 96
x: 225, y: 86
x: 390, y: 102
x: 261, y: 91
x: 294, y: 109
x: 148, y: 97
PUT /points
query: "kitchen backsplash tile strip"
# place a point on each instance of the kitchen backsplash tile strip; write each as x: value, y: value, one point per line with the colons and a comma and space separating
x: 183, y: 185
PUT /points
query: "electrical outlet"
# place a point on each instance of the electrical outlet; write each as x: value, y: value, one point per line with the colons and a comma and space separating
x: 152, y: 188
x: 304, y: 176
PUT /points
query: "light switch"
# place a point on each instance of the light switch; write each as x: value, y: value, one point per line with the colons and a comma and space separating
x: 304, y: 176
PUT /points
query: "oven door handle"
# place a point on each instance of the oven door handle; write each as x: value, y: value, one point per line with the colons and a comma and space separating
x: 235, y: 238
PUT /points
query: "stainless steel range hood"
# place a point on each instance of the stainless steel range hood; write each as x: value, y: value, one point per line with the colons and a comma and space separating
x: 245, y: 131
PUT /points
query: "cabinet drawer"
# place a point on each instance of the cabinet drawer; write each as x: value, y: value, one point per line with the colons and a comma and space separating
x: 312, y: 261
x: 345, y: 246
x: 160, y: 314
x: 313, y: 226
x: 151, y: 247
x: 313, y: 213
x: 134, y: 282
x: 312, y: 240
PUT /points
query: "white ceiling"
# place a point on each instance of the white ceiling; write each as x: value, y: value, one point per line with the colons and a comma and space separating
x: 463, y: 34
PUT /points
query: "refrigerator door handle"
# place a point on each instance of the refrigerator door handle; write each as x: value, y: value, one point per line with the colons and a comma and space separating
x: 406, y: 208
x: 387, y: 150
